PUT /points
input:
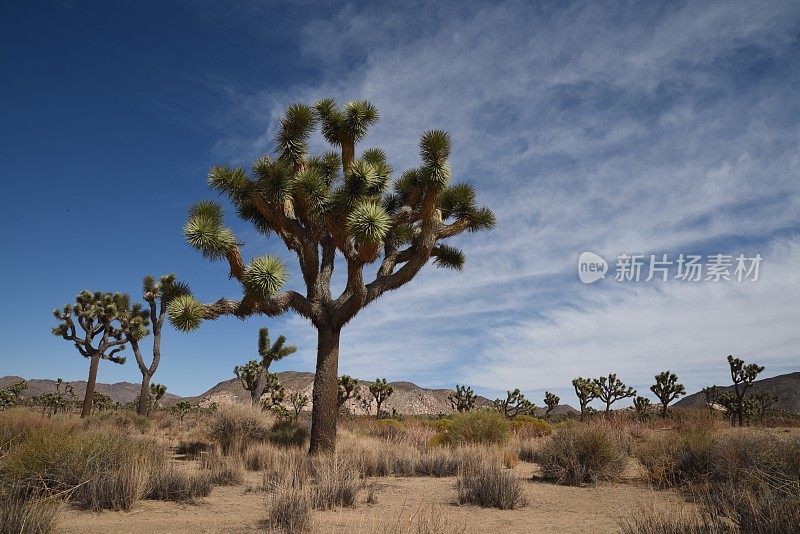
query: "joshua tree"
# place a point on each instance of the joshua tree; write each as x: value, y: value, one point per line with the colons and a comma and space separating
x: 743, y: 376
x: 157, y: 391
x: 348, y: 389
x: 10, y: 395
x: 181, y: 408
x: 298, y: 401
x: 514, y: 404
x: 275, y: 395
x: 612, y: 389
x: 158, y: 296
x: 586, y: 390
x: 642, y: 407
x: 97, y: 314
x: 253, y: 375
x: 551, y: 400
x: 324, y: 206
x: 462, y: 399
x: 366, y: 404
x: 667, y: 390
x: 763, y: 403
x: 380, y: 391
x: 101, y: 401
x: 712, y: 396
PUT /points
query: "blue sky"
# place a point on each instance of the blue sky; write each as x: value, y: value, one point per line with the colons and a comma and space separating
x: 639, y: 128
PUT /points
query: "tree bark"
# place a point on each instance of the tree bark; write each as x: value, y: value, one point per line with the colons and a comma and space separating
x: 144, y: 395
x: 326, y: 388
x: 88, y: 397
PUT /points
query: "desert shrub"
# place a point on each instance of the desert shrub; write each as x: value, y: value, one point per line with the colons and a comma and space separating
x: 175, y: 484
x: 760, y: 510
x: 527, y: 449
x: 490, y: 486
x: 289, y: 509
x: 526, y: 426
x: 225, y: 470
x: 235, y: 426
x: 100, y: 471
x: 440, y: 425
x: 124, y: 420
x: 192, y: 449
x: 440, y: 439
x: 582, y: 454
x: 671, y: 459
x: 286, y: 467
x: 337, y: 482
x: 478, y: 427
x: 22, y: 514
x: 288, y: 433
x: 17, y: 423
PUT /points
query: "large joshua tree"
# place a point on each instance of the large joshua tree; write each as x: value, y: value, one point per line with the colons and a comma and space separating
x: 335, y: 204
x: 97, y: 315
x: 667, y: 389
x: 611, y: 389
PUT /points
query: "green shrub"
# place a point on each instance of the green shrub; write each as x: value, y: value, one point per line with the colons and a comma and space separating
x: 124, y: 420
x: 582, y: 454
x: 387, y: 429
x: 287, y: 433
x: 477, y: 427
x: 526, y: 426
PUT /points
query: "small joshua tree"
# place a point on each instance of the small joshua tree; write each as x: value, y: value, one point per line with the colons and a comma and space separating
x: 586, y: 390
x: 380, y: 391
x: 763, y: 403
x: 298, y: 400
x: 158, y: 296
x: 97, y: 314
x: 642, y: 407
x: 340, y: 203
x: 612, y: 389
x: 274, y: 395
x: 551, y: 400
x: 462, y: 399
x: 348, y: 389
x: 157, y: 391
x: 10, y: 395
x: 743, y: 376
x: 514, y: 404
x: 253, y: 375
x: 101, y: 401
x: 182, y: 408
x: 667, y: 389
x: 711, y: 394
x: 366, y: 404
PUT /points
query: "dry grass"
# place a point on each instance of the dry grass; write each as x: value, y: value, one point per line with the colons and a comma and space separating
x: 673, y: 521
x: 337, y: 482
x: 176, y: 484
x: 224, y: 470
x: 234, y: 427
x: 289, y: 509
x: 490, y: 486
x: 21, y: 514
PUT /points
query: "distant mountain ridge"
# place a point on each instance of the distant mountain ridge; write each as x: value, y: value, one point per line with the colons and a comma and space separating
x: 408, y: 398
x: 786, y: 388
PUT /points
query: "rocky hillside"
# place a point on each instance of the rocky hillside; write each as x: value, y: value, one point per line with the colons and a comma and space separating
x: 123, y: 392
x: 408, y: 398
x: 786, y: 388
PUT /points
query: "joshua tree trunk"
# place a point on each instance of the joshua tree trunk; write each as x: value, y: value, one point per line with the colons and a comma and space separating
x: 87, y: 398
x: 326, y: 390
x: 144, y: 395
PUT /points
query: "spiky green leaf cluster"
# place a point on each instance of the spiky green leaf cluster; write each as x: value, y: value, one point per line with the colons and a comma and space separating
x: 264, y: 276
x: 205, y: 232
x: 449, y: 257
x: 368, y: 223
x: 185, y: 313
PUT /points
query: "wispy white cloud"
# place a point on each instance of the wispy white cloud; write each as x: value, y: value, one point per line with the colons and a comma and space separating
x: 613, y: 128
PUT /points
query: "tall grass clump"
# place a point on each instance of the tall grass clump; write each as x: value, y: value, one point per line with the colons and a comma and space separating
x: 488, y: 485
x: 224, y: 470
x: 234, y: 427
x: 23, y: 514
x: 176, y: 484
x: 337, y: 482
x: 98, y: 471
x: 582, y: 454
x: 673, y: 521
x: 289, y: 509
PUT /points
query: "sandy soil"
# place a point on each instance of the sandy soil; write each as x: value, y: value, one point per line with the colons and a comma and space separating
x: 401, y: 502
